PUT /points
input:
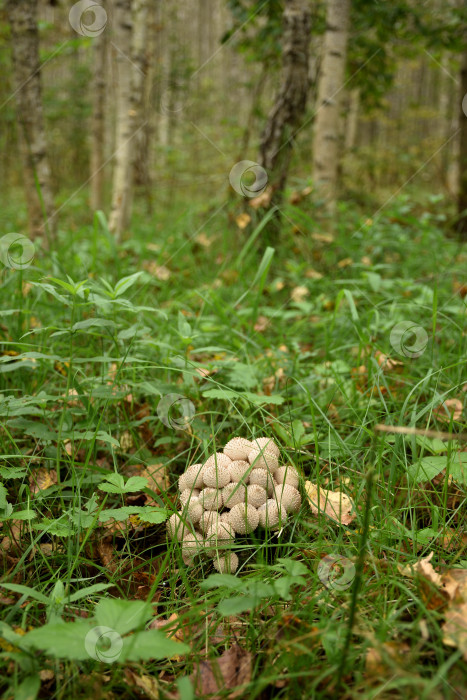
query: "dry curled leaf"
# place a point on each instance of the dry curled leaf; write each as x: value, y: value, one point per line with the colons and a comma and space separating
x: 41, y: 479
x: 334, y: 504
x: 242, y: 220
x: 231, y: 670
x: 455, y: 628
x: 298, y: 294
x: 451, y: 408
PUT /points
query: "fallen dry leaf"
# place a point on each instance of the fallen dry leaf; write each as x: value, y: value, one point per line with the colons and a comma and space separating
x: 41, y: 479
x: 455, y: 628
x: 298, y: 294
x: 323, y: 237
x: 263, y: 200
x: 261, y: 324
x: 345, y: 262
x: 334, y: 504
x: 450, y: 408
x: 230, y: 670
x: 147, y: 684
x: 387, y: 363
x: 242, y: 220
x: 157, y: 476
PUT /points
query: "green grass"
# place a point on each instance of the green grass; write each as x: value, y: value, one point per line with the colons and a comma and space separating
x: 86, y: 359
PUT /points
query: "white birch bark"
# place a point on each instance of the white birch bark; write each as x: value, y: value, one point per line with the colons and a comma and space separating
x: 331, y: 82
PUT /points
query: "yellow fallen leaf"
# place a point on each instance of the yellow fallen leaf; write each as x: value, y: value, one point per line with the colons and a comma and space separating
x: 243, y: 220
x: 334, y: 504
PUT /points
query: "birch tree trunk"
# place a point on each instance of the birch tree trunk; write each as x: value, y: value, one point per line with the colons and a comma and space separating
x: 286, y: 116
x: 122, y: 156
x: 22, y: 16
x: 331, y: 81
x: 462, y: 195
x: 98, y: 120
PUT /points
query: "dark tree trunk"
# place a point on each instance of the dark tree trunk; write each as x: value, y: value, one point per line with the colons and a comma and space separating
x: 287, y: 114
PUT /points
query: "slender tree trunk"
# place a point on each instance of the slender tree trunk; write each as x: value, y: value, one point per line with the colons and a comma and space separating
x: 351, y: 124
x: 98, y: 120
x: 122, y: 162
x: 22, y: 16
x: 287, y: 114
x: 138, y: 81
x: 331, y: 81
x: 462, y: 195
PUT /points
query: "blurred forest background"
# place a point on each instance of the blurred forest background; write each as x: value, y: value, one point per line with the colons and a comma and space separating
x: 158, y: 100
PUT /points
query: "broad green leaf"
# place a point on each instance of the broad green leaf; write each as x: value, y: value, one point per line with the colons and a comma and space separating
x: 116, y: 484
x: 151, y: 644
x: 152, y: 515
x: 13, y: 472
x: 427, y: 468
x: 118, y: 513
x: 60, y: 639
x: 28, y: 688
x: 125, y: 283
x: 25, y: 590
x: 122, y: 615
x: 237, y: 605
x: 88, y: 591
x: 23, y: 515
x: 93, y: 323
x: 222, y: 580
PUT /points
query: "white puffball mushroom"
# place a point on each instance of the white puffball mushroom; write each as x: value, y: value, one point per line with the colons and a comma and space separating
x: 194, y: 509
x: 228, y: 564
x: 239, y: 470
x: 218, y: 536
x: 192, y: 544
x: 287, y: 475
x: 209, y: 518
x: 232, y: 494
x: 218, y: 458
x: 192, y: 478
x: 289, y: 497
x: 238, y: 448
x: 244, y: 518
x: 264, y: 478
x: 210, y: 499
x: 260, y: 459
x: 224, y: 517
x: 216, y: 477
x: 178, y: 525
x: 187, y: 494
x: 270, y: 515
x: 266, y: 444
x: 256, y: 495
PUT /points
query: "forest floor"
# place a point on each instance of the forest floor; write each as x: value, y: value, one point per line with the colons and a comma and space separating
x: 315, y: 341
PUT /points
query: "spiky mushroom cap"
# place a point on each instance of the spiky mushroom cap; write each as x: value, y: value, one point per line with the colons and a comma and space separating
x: 192, y: 478
x: 244, y: 518
x: 256, y: 495
x: 227, y: 564
x: 238, y: 448
x: 289, y: 497
x: 287, y: 475
x: 260, y: 459
x: 271, y: 516
x: 232, y: 494
x: 266, y: 444
x: 216, y: 476
x: 239, y: 470
x: 219, y: 536
x: 210, y: 499
x: 179, y: 525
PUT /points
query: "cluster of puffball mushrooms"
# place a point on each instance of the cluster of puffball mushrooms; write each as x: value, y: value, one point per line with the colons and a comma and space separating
x: 232, y: 493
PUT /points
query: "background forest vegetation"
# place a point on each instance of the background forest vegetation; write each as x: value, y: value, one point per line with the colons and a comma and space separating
x: 219, y: 219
